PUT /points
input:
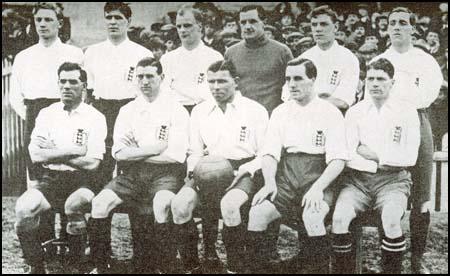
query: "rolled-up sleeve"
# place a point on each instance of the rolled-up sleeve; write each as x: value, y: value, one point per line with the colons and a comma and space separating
x: 196, y: 143
x: 178, y: 135
x: 273, y: 142
x: 336, y: 145
x: 121, y: 127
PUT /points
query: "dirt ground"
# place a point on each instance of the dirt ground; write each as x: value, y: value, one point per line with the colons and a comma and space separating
x: 436, y: 256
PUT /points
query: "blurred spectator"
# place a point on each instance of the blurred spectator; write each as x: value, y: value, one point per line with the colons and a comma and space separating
x: 271, y: 32
x: 432, y: 38
x: 170, y: 37
x: 363, y: 12
x: 14, y: 37
x: 358, y: 33
x: 292, y: 40
x: 367, y: 52
x: 287, y: 19
x: 285, y: 31
x: 157, y: 46
x: 303, y: 9
x: 341, y: 35
x: 304, y: 25
x: 230, y: 23
x: 373, y: 20
x: 209, y: 33
x: 382, y: 26
x: 350, y: 20
x: 371, y: 37
x: 423, y: 24
x: 303, y: 45
x: 134, y: 34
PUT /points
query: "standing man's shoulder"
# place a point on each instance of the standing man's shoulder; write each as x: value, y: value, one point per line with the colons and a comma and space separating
x: 139, y: 49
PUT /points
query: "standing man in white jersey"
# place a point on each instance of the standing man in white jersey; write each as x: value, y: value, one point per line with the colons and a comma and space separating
x: 417, y: 82
x: 337, y: 67
x: 34, y: 83
x: 185, y: 68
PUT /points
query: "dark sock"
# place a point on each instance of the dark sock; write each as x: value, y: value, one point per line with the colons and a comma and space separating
x: 258, y: 252
x: 419, y: 224
x: 166, y: 247
x: 186, y: 236
x: 142, y: 231
x: 100, y: 241
x: 33, y: 253
x: 234, y: 241
x: 272, y: 232
x: 210, y: 231
x: 391, y: 254
x: 343, y: 253
x: 318, y: 252
x: 76, y: 248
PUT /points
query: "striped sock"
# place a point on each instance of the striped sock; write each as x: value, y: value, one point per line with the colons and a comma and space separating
x: 392, y: 253
x: 344, y: 259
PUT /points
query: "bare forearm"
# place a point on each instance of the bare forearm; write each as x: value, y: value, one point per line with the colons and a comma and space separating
x: 84, y: 163
x: 137, y: 153
x: 39, y: 155
x: 334, y: 168
x: 269, y: 169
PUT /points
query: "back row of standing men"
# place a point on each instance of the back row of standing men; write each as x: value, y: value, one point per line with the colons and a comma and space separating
x: 260, y: 64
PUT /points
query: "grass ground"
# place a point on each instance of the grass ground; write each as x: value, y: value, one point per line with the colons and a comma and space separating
x: 436, y: 256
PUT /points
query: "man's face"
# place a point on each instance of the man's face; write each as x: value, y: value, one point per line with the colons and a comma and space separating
x: 222, y: 86
x: 170, y: 45
x: 251, y: 25
x: 360, y: 31
x: 231, y: 26
x: 363, y: 12
x: 340, y: 35
x: 432, y: 38
x: 400, y: 29
x: 269, y: 34
x: 305, y: 28
x: 371, y: 39
x: 209, y: 31
x: 378, y: 84
x: 71, y: 87
x: 299, y: 85
x: 323, y: 29
x: 383, y: 24
x: 148, y: 81
x: 47, y: 24
x: 286, y: 20
x: 189, y: 30
x: 116, y: 24
x: 157, y: 53
x: 351, y: 19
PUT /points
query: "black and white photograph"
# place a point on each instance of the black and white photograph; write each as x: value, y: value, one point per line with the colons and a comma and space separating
x: 224, y: 138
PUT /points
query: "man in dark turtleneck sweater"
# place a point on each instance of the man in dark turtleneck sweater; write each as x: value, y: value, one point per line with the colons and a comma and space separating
x: 260, y: 62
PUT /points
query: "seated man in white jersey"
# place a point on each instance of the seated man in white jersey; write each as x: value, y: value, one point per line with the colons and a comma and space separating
x: 383, y: 140
x: 151, y: 139
x: 418, y: 79
x: 229, y: 127
x: 337, y: 67
x: 69, y: 142
x: 304, y: 151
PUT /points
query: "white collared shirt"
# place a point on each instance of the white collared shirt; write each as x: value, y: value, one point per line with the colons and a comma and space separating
x: 162, y: 119
x: 317, y: 128
x: 35, y: 72
x: 111, y: 68
x: 393, y: 133
x: 236, y: 134
x: 85, y: 125
x: 185, y: 73
x: 418, y: 77
x: 337, y: 72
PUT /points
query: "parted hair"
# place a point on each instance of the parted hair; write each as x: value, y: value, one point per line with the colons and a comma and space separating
x: 310, y: 68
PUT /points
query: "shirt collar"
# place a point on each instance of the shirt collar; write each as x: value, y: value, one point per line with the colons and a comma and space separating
x: 121, y: 44
x: 143, y: 104
x: 333, y: 46
x: 55, y: 44
x: 314, y: 102
x: 389, y: 104
x: 235, y: 104
x: 79, y: 110
x: 199, y: 46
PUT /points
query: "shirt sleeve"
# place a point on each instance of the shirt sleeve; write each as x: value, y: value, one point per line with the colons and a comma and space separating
x: 178, y: 135
x: 97, y: 136
x: 273, y: 142
x: 336, y: 145
x: 88, y: 66
x: 261, y: 121
x: 121, y: 127
x: 348, y: 85
x: 196, y: 143
x: 405, y: 152
x: 352, y: 133
x: 431, y: 81
x: 40, y: 129
x: 16, y: 96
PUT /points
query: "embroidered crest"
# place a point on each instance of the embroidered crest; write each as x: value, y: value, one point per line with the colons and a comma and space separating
x: 201, y: 78
x: 163, y: 133
x: 334, y: 76
x: 319, y: 139
x: 79, y: 137
x: 397, y: 135
x: 417, y: 82
x: 130, y: 74
x: 244, y: 134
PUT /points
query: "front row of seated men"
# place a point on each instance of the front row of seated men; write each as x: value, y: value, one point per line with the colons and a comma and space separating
x: 283, y: 167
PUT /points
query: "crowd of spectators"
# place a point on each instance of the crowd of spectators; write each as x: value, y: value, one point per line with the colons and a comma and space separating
x: 362, y: 28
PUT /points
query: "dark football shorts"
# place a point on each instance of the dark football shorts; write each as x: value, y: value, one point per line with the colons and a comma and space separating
x: 57, y: 186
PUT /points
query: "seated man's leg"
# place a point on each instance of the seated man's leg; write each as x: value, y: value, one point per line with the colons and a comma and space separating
x: 28, y: 207
x: 393, y: 244
x: 260, y: 217
x: 185, y: 230
x: 100, y: 227
x: 164, y: 237
x: 233, y: 234
x: 76, y: 205
x: 351, y: 201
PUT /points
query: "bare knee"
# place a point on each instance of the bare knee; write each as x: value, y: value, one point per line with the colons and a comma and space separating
x: 230, y: 212
x: 28, y: 207
x: 161, y: 205
x: 261, y: 216
x: 78, y: 202
x: 314, y: 220
x: 342, y: 217
x: 391, y: 219
x: 104, y: 203
x: 182, y: 205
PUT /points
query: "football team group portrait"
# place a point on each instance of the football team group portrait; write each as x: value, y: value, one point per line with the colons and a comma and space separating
x: 229, y: 138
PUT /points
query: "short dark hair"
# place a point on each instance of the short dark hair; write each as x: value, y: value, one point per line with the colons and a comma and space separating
x: 324, y: 10
x: 71, y: 66
x: 359, y: 24
x: 310, y: 68
x: 412, y: 16
x: 122, y: 7
x: 384, y: 65
x: 56, y: 7
x: 259, y: 9
x: 223, y: 65
x: 198, y: 16
x: 149, y: 61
